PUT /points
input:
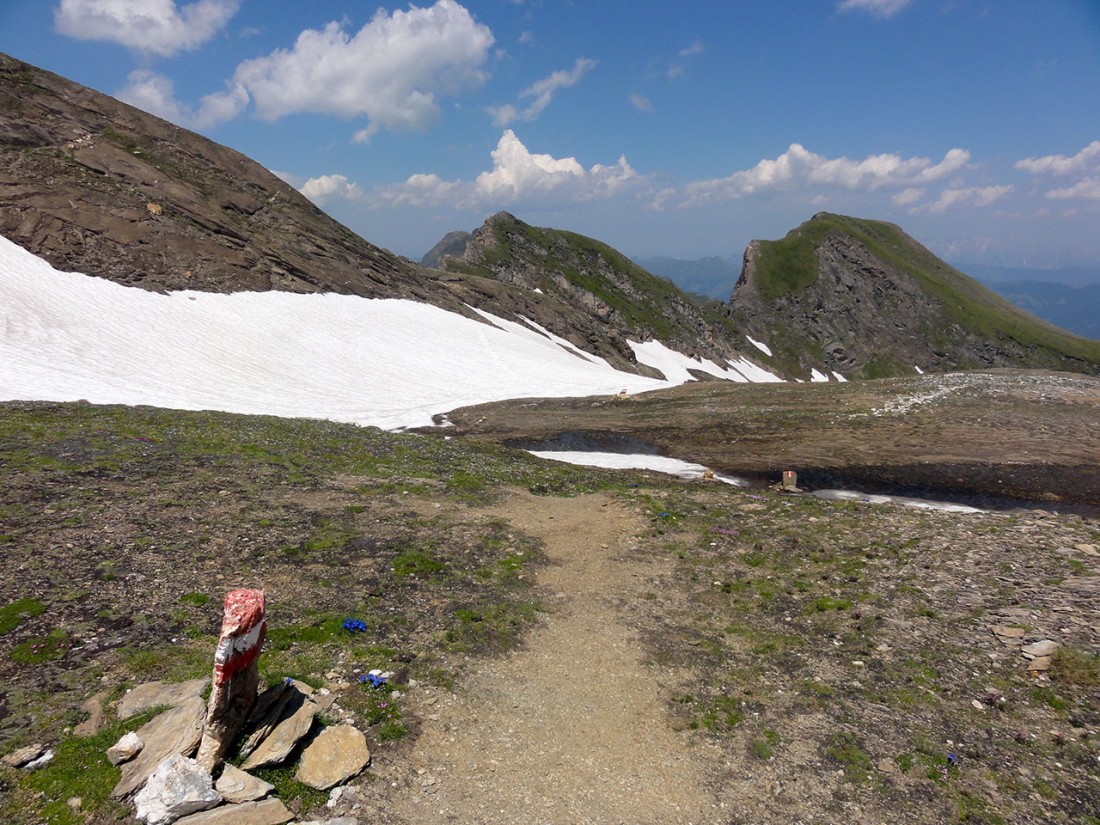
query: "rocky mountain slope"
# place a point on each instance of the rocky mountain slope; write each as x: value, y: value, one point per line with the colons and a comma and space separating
x: 863, y: 298
x: 602, y: 297
x: 96, y: 186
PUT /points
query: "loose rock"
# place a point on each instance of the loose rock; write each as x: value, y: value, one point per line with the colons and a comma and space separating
x: 179, y: 786
x: 19, y: 758
x: 333, y: 757
x: 267, y: 812
x: 238, y: 786
x: 1038, y: 649
x: 93, y: 706
x: 40, y: 762
x: 125, y: 749
x: 1039, y: 665
x: 284, y: 738
x: 176, y: 731
x: 158, y: 694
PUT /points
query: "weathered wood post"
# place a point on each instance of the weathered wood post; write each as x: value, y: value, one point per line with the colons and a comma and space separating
x: 236, y: 674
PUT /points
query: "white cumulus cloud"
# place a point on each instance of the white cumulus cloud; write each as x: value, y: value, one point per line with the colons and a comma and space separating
x: 393, y: 71
x: 541, y: 93
x: 517, y: 176
x: 327, y: 188
x: 1085, y: 166
x: 640, y: 102
x: 908, y: 196
x: 799, y: 167
x: 155, y: 26
x: 1087, y: 158
x: 1084, y: 189
x: 154, y: 93
x: 972, y: 196
x: 879, y: 8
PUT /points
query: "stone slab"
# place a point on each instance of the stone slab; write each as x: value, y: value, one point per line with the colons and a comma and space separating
x: 158, y: 694
x: 267, y: 812
x: 335, y: 756
x: 175, y: 731
x: 238, y: 786
x: 284, y: 738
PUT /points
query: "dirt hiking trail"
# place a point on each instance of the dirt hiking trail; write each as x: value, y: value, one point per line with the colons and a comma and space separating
x: 570, y: 728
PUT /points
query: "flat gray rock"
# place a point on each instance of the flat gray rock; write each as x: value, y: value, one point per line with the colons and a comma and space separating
x: 335, y: 756
x: 267, y: 812
x: 175, y: 731
x: 23, y: 756
x: 283, y: 739
x: 272, y: 706
x: 238, y: 786
x: 158, y: 694
x: 1036, y: 650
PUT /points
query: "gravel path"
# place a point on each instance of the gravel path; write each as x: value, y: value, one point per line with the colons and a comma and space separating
x: 569, y: 729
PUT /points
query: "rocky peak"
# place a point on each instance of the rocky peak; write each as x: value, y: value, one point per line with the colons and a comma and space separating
x: 866, y: 300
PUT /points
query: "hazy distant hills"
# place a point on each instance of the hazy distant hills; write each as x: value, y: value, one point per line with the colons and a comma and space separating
x: 711, y: 277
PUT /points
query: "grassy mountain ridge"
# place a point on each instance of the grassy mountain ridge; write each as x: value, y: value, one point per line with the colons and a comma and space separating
x: 615, y: 295
x: 874, y: 301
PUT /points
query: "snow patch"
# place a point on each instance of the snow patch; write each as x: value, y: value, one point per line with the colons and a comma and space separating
x: 753, y: 373
x: 918, y: 369
x: 764, y: 348
x: 817, y: 377
x: 674, y: 365
x: 919, y: 503
x: 839, y: 377
x: 636, y: 461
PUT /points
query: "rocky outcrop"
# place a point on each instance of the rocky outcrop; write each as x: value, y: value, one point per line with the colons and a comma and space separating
x: 864, y: 299
x: 452, y: 245
x: 583, y: 291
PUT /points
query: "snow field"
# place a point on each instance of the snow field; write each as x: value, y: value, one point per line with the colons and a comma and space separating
x: 387, y: 363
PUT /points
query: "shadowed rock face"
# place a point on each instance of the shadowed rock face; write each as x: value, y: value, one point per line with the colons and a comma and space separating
x: 96, y: 186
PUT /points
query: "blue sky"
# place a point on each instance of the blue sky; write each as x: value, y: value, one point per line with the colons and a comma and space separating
x: 681, y: 129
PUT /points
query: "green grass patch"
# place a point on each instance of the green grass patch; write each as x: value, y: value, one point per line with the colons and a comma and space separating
x: 824, y: 604
x: 493, y: 627
x: 79, y: 768
x: 846, y: 751
x: 196, y: 599
x: 290, y: 790
x: 1075, y: 668
x: 171, y: 663
x: 12, y: 614
x: 721, y: 714
x: 417, y: 563
x: 42, y: 649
